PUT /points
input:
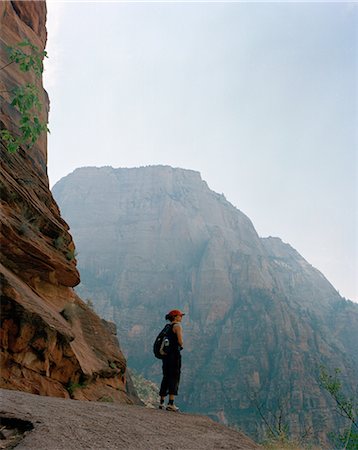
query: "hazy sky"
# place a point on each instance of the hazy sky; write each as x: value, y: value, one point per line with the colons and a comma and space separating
x: 261, y: 98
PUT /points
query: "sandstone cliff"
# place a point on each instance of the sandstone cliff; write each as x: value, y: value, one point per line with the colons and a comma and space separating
x: 260, y: 319
x: 51, y: 342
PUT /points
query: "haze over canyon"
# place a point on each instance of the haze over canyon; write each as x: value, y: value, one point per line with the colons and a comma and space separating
x: 260, y: 320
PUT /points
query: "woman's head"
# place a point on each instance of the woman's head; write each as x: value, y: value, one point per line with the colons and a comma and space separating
x: 174, y: 315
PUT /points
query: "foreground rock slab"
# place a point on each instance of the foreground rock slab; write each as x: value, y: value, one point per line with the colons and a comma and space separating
x: 71, y: 424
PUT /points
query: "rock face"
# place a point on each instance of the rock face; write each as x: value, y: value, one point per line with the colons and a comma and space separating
x: 70, y: 425
x: 52, y: 343
x: 260, y: 319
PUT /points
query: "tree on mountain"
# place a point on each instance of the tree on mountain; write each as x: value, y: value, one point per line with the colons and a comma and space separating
x: 276, y: 423
x: 346, y: 407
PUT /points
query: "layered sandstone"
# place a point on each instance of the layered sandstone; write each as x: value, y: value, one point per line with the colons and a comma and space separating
x: 52, y: 343
x: 259, y: 318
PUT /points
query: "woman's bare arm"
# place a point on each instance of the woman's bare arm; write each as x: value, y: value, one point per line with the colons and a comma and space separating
x: 177, y: 329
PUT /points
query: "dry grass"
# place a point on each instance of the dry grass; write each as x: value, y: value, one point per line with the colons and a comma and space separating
x: 278, y: 444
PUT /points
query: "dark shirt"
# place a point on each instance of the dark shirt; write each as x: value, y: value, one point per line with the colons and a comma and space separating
x: 173, y: 339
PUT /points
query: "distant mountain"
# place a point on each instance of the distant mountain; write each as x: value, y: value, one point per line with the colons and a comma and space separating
x: 260, y: 319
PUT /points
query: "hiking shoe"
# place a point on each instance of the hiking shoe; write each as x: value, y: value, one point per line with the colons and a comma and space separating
x: 162, y: 406
x: 172, y: 408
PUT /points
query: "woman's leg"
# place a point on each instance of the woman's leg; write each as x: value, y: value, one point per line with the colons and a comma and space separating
x: 164, y: 387
x: 174, y: 376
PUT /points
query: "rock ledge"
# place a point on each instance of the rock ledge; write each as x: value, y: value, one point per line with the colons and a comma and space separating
x: 60, y: 424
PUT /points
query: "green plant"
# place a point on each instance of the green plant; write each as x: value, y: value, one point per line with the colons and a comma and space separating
x: 276, y: 427
x: 286, y: 443
x: 26, y: 61
x: 59, y: 242
x: 11, y: 142
x: 71, y: 254
x: 90, y: 304
x: 71, y: 387
x: 106, y: 399
x: 347, y: 408
x: 25, y: 98
x: 275, y: 418
x: 23, y: 229
x: 25, y: 226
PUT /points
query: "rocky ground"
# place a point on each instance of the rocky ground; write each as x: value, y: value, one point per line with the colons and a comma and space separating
x: 45, y: 423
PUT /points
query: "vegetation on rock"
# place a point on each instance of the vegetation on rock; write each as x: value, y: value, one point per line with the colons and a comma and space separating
x: 346, y: 407
x: 25, y: 98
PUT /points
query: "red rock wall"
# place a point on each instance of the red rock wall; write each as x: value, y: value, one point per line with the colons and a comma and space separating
x: 51, y: 342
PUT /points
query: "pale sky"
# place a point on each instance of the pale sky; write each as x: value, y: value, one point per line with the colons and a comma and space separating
x: 260, y: 98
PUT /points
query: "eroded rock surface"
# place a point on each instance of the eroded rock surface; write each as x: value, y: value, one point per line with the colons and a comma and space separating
x: 68, y: 425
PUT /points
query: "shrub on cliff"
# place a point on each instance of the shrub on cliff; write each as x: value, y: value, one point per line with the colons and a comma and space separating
x: 25, y: 98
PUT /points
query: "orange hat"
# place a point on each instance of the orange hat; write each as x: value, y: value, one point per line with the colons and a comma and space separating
x: 175, y: 312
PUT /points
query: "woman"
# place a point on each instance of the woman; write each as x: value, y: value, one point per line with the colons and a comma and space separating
x: 172, y: 362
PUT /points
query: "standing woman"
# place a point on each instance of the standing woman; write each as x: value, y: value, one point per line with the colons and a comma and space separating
x: 172, y: 362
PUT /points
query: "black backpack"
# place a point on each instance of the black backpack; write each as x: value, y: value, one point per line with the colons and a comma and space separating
x: 161, y: 346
